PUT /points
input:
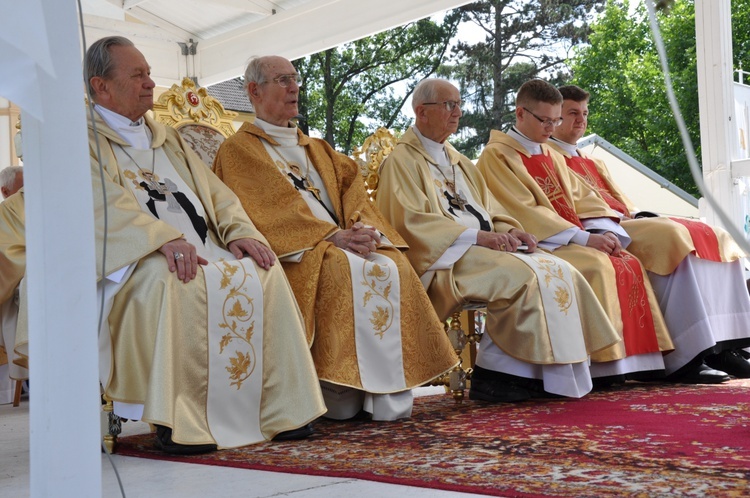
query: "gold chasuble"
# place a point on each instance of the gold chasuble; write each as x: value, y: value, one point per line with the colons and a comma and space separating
x: 542, y: 194
x: 522, y: 319
x: 12, y: 269
x: 221, y: 359
x: 356, y: 309
x: 659, y: 243
x: 12, y: 245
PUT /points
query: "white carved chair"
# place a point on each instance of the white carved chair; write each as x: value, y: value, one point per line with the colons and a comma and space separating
x: 200, y: 119
x: 370, y: 156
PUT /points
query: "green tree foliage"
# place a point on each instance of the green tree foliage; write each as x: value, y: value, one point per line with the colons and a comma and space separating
x: 741, y: 34
x: 629, y: 105
x: 524, y: 39
x: 351, y: 90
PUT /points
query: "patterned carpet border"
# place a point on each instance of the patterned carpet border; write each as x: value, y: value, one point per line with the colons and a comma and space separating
x: 636, y: 440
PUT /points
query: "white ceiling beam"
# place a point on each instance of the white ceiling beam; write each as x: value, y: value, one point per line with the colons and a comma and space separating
x: 129, y: 4
x: 133, y: 30
x: 147, y: 17
x: 160, y: 48
x: 306, y: 30
x: 255, y: 6
x: 117, y: 3
x: 104, y: 8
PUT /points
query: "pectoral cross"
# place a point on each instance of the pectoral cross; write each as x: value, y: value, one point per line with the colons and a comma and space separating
x: 310, y: 188
x: 458, y: 201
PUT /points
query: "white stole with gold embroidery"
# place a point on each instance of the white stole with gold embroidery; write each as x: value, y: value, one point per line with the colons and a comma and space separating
x: 235, y: 352
x: 560, y: 306
x: 377, y: 322
x: 235, y: 306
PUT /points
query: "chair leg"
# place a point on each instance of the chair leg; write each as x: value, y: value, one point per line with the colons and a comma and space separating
x: 114, y: 426
x: 457, y: 376
x: 17, y: 395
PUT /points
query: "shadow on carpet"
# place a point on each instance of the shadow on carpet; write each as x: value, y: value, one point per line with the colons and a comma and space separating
x: 636, y: 440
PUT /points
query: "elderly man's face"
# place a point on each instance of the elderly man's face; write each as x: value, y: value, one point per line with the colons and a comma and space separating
x: 15, y: 187
x: 434, y: 119
x: 130, y: 90
x: 272, y: 102
x: 575, y: 119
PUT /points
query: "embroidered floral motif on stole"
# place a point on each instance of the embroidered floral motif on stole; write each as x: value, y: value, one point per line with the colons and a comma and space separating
x: 378, y: 281
x: 238, y: 311
x: 563, y: 291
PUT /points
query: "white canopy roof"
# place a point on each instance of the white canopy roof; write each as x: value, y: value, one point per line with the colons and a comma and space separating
x: 225, y: 33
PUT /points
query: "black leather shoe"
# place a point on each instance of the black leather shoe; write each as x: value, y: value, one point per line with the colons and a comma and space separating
x: 301, y: 433
x: 607, y: 381
x: 702, y: 374
x: 496, y: 391
x: 731, y: 362
x: 164, y: 442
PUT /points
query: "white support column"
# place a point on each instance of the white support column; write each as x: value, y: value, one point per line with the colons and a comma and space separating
x: 713, y: 31
x: 64, y: 410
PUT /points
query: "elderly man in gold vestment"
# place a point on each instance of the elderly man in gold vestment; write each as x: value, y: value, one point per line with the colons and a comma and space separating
x: 372, y: 332
x: 695, y: 269
x: 534, y: 184
x: 543, y: 319
x: 11, y: 180
x: 200, y: 339
x: 12, y: 268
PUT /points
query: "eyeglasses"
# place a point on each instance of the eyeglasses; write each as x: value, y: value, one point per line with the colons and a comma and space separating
x: 448, y: 104
x: 284, y: 80
x: 546, y: 122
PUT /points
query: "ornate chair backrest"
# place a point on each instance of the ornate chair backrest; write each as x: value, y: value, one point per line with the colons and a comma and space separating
x: 199, y: 118
x: 371, y: 155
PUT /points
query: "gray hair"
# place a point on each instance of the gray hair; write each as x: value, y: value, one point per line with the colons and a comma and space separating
x: 255, y: 70
x: 98, y: 60
x: 8, y: 176
x: 425, y: 91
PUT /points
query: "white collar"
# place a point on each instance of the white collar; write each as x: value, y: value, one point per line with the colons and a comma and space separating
x: 569, y: 148
x: 436, y: 150
x: 135, y: 133
x: 284, y: 135
x: 531, y: 146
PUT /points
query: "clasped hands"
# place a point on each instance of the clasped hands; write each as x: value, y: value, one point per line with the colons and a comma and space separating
x: 606, y: 242
x: 183, y: 258
x: 360, y: 239
x: 508, y: 242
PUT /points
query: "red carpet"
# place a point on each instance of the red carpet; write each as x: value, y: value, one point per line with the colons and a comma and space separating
x: 638, y: 440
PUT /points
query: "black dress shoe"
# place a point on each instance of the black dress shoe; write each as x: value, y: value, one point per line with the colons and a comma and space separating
x: 301, y: 433
x: 607, y: 381
x: 164, y: 442
x: 731, y: 362
x: 495, y: 387
x: 702, y: 374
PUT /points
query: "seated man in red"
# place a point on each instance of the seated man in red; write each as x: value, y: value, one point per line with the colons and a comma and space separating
x: 570, y: 219
x: 695, y: 269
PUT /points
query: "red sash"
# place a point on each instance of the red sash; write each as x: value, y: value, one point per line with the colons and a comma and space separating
x: 639, y: 334
x: 638, y: 331
x: 704, y: 239
x: 542, y: 170
x: 587, y: 169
